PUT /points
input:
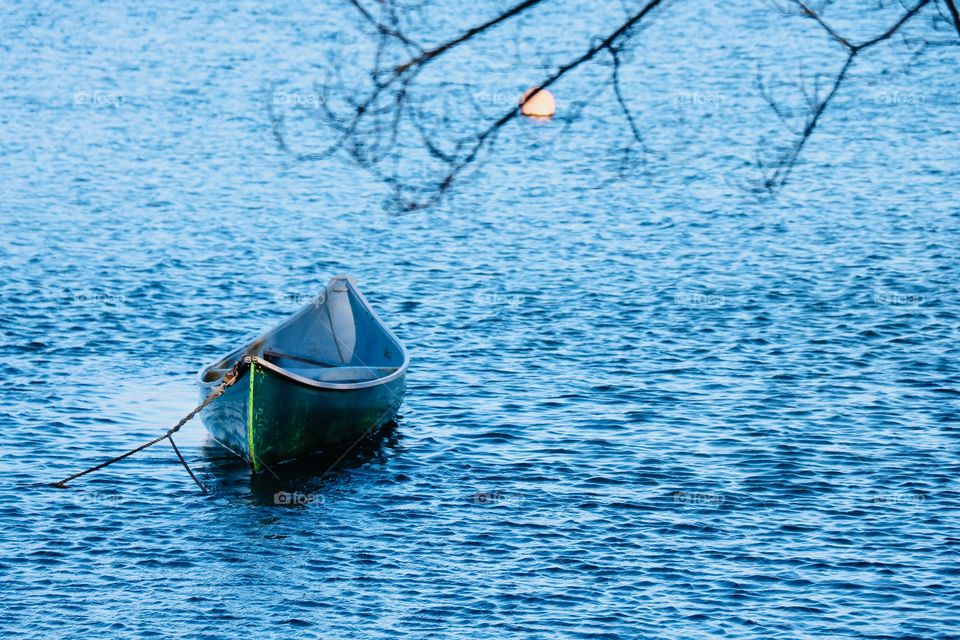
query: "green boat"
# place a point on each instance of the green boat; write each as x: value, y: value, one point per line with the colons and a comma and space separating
x: 328, y: 376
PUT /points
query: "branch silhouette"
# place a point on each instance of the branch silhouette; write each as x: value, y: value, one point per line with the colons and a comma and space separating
x: 385, y: 105
x: 382, y: 124
x: 779, y: 173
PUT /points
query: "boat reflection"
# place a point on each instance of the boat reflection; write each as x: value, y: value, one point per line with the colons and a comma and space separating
x: 299, y: 482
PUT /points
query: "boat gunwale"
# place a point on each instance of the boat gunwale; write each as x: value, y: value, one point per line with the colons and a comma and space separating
x: 316, y: 384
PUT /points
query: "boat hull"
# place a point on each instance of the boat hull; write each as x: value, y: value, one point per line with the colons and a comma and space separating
x: 329, y: 375
x: 268, y: 418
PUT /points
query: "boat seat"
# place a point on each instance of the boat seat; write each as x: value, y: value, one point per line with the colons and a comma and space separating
x: 325, y: 371
x: 342, y: 374
x: 275, y: 356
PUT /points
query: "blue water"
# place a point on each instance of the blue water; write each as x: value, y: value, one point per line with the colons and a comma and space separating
x: 645, y: 405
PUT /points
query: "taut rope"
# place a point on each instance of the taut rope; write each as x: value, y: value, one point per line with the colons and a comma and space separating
x: 228, y: 379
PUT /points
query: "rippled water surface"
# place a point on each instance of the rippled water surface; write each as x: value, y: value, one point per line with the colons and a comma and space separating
x: 643, y: 406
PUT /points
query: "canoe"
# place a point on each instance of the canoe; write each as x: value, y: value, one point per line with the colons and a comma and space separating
x: 328, y: 376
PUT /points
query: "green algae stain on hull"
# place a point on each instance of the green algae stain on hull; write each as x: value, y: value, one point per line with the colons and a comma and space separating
x: 251, y: 404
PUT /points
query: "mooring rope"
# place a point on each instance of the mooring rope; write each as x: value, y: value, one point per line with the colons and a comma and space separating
x: 228, y: 379
x: 186, y: 466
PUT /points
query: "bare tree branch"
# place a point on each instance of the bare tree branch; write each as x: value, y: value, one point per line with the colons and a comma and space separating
x: 389, y: 118
x: 784, y: 166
